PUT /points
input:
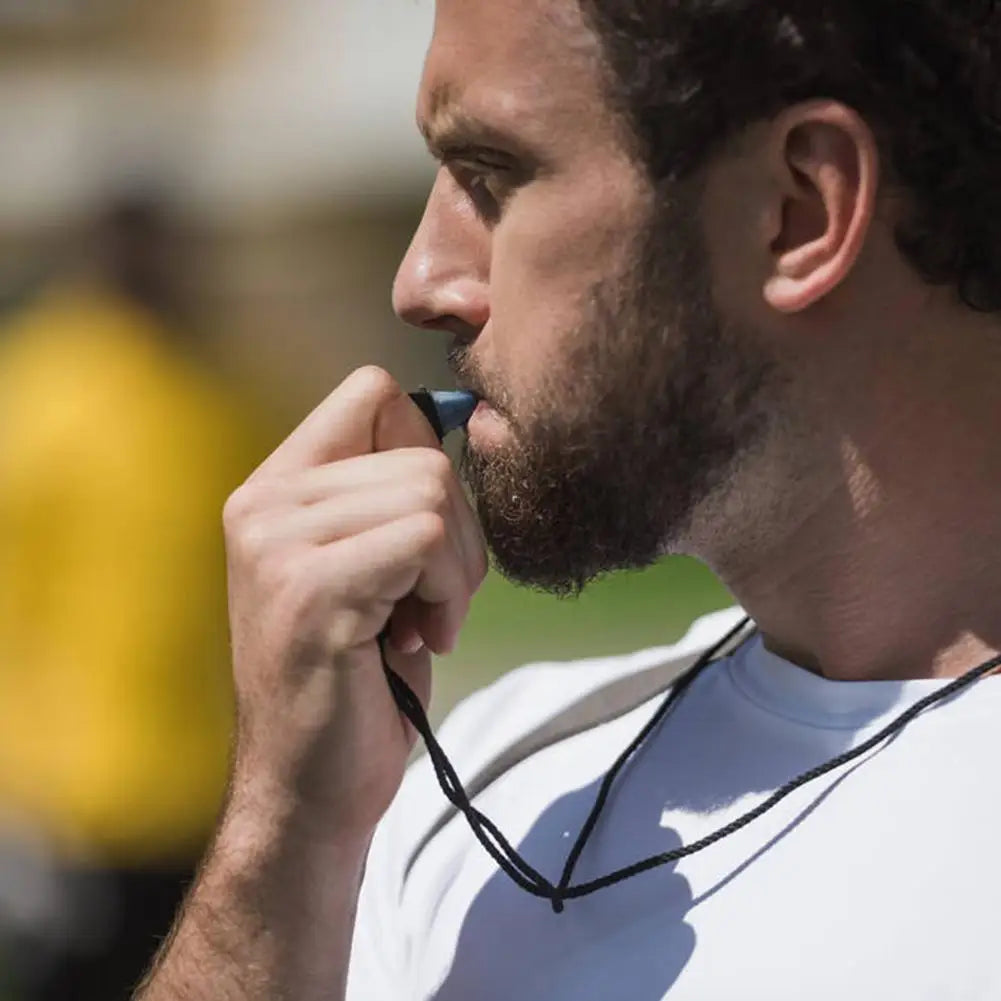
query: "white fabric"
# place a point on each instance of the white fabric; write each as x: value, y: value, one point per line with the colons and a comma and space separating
x: 877, y: 882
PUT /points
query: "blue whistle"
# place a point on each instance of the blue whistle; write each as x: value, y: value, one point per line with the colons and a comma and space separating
x: 445, y: 410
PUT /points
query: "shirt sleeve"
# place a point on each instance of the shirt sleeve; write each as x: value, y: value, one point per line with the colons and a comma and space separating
x: 378, y: 968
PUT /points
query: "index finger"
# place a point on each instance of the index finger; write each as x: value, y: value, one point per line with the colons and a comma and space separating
x: 351, y: 421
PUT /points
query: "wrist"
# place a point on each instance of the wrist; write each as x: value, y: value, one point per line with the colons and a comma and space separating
x: 267, y: 819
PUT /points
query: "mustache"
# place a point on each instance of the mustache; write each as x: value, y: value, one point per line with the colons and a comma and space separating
x: 469, y: 375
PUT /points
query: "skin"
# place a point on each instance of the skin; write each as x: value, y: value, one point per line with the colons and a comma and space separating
x: 860, y: 531
x: 876, y: 563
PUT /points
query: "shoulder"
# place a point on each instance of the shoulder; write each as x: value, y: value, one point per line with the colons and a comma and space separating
x: 529, y: 697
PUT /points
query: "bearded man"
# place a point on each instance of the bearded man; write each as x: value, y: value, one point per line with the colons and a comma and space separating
x: 726, y: 279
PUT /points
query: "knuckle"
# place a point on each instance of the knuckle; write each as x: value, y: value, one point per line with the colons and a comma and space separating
x: 371, y: 380
x: 438, y: 464
x: 347, y: 629
x: 433, y: 494
x: 245, y: 502
x: 430, y: 531
x: 236, y: 508
x: 253, y: 539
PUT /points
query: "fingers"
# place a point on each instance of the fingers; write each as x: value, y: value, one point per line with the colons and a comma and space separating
x: 365, y: 575
x: 346, y: 498
x: 367, y: 412
x: 334, y: 450
x: 404, y: 626
x: 357, y: 520
x: 379, y: 470
x: 359, y: 473
x: 349, y: 513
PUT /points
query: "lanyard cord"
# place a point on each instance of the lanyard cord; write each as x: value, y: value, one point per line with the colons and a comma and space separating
x: 519, y: 870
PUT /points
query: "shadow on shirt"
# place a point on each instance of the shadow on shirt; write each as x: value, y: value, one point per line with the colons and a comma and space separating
x: 628, y: 941
x: 631, y: 941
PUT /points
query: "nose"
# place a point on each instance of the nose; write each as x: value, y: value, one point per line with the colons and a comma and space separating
x: 443, y: 280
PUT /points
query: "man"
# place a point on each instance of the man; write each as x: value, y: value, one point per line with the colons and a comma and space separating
x: 726, y: 278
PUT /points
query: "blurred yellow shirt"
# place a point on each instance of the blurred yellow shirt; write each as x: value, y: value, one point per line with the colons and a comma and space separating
x: 116, y: 455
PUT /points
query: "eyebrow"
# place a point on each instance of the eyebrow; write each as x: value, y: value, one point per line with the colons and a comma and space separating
x: 450, y: 133
x: 459, y: 134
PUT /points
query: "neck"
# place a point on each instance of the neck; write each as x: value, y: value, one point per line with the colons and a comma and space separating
x: 893, y: 569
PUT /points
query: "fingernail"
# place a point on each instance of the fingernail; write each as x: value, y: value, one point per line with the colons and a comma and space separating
x: 413, y: 644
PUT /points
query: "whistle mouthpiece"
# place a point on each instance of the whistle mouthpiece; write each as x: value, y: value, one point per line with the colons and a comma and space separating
x: 454, y: 407
x: 446, y: 410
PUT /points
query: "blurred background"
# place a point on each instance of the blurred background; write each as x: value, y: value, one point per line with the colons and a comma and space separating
x: 202, y: 205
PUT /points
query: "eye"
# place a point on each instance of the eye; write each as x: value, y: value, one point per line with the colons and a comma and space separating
x: 487, y: 186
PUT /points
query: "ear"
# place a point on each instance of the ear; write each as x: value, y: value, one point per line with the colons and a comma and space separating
x: 826, y: 161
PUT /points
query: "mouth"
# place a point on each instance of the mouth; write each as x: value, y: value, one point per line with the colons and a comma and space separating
x: 484, y: 405
x: 465, y: 381
x: 489, y: 421
x: 487, y: 426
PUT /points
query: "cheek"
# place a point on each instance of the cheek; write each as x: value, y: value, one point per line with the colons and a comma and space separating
x: 556, y: 240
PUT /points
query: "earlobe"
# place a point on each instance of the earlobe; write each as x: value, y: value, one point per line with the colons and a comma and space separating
x: 830, y: 162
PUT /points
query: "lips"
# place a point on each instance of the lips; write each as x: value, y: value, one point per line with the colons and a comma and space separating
x: 485, y: 413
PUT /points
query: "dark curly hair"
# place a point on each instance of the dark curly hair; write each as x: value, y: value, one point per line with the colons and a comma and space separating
x: 926, y: 74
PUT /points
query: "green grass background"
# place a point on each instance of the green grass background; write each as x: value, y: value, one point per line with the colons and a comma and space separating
x: 509, y: 626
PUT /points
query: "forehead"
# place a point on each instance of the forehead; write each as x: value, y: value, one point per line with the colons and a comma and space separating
x: 530, y: 63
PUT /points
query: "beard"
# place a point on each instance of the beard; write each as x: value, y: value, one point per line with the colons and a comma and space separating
x: 651, y: 405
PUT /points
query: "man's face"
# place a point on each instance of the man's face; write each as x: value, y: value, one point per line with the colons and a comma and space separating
x: 615, y: 399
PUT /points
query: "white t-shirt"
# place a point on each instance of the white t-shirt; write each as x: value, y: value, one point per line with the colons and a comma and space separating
x: 879, y: 881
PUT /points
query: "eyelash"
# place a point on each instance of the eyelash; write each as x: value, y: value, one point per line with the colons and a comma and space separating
x: 475, y: 179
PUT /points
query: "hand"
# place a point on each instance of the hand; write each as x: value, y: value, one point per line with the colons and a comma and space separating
x: 358, y: 519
